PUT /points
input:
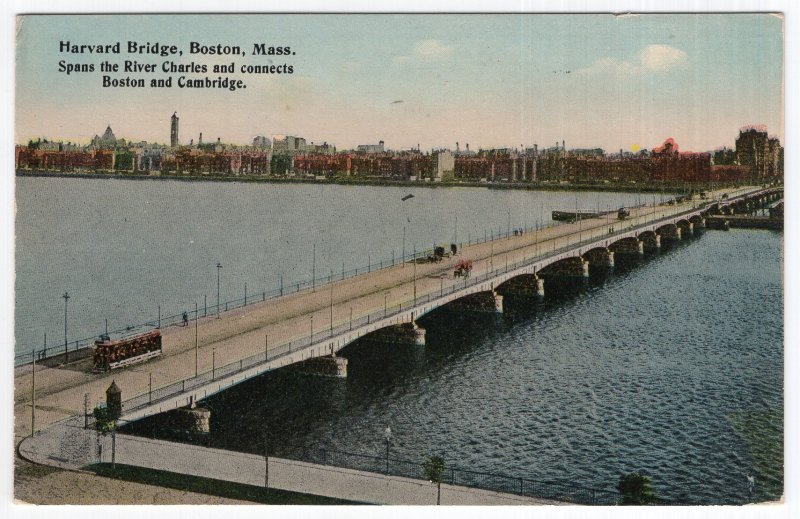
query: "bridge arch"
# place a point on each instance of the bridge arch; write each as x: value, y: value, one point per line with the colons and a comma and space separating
x: 524, y: 285
x: 650, y: 240
x: 599, y: 257
x: 574, y: 266
x: 669, y: 231
x: 627, y: 246
x: 686, y: 227
x: 698, y: 221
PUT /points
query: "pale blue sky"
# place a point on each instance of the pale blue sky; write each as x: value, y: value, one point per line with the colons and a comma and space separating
x: 489, y: 80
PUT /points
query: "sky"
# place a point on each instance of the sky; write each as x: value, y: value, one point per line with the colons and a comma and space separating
x: 615, y: 82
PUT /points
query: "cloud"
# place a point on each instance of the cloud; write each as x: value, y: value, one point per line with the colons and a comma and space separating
x: 426, y: 50
x: 608, y: 66
x: 661, y: 58
x: 651, y: 59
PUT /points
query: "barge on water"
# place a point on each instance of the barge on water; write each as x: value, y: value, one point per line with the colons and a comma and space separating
x: 572, y: 216
x: 131, y: 346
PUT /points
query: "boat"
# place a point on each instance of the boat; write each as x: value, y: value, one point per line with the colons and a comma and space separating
x: 571, y: 216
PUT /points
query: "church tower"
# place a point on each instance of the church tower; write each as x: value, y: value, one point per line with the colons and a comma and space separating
x: 173, y: 134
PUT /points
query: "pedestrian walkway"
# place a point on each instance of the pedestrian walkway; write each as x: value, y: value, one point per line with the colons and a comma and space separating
x: 68, y: 445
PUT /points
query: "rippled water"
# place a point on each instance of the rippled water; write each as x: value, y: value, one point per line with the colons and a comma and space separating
x: 673, y: 367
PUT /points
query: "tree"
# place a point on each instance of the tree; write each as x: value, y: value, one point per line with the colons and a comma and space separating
x: 104, y: 420
x: 434, y: 471
x: 636, y: 489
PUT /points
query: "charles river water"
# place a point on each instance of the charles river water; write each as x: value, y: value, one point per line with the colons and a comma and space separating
x: 672, y: 367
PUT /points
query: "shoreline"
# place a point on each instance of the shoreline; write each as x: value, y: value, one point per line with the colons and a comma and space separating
x: 525, y: 186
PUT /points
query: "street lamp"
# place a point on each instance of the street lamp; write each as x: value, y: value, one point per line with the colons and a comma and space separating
x: 195, y: 340
x: 385, y: 295
x: 66, y: 351
x: 213, y: 363
x: 415, y: 275
x: 312, y: 329
x: 388, y: 435
x: 219, y: 267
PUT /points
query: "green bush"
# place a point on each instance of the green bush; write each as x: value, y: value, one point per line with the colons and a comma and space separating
x: 636, y: 489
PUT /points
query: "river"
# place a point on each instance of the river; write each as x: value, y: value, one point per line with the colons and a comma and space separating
x: 673, y: 367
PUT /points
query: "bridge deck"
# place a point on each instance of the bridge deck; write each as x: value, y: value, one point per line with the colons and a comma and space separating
x: 241, y: 333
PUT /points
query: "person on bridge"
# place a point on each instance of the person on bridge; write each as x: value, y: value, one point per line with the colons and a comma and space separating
x: 185, y: 319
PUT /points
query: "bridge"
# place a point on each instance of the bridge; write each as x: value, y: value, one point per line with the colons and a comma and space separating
x: 308, y: 328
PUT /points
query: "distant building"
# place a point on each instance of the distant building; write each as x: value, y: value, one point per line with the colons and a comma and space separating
x: 370, y: 148
x: 587, y: 152
x: 464, y: 153
x: 444, y: 165
x: 324, y: 148
x: 762, y: 154
x: 288, y: 144
x: 262, y: 142
x: 106, y: 142
x: 173, y: 131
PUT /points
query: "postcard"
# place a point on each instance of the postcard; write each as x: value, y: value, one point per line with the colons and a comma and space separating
x: 399, y: 259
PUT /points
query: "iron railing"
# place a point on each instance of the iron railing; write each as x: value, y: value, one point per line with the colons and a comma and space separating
x: 453, y: 475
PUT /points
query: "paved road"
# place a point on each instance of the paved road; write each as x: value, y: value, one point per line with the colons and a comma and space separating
x: 68, y: 445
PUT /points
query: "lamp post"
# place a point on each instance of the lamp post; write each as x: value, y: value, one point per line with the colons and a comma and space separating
x: 195, y: 340
x: 403, y: 261
x: 66, y: 351
x: 388, y: 435
x: 33, y: 395
x: 312, y: 329
x: 385, y: 296
x: 213, y: 363
x: 415, y: 275
x: 219, y: 267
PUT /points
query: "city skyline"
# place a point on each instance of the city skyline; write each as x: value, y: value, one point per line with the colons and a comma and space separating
x: 427, y: 80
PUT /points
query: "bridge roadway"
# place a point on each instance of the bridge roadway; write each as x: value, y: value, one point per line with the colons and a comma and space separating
x: 235, y: 344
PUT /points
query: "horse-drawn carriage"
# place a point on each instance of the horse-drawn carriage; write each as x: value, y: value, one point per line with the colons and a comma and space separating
x: 462, y: 268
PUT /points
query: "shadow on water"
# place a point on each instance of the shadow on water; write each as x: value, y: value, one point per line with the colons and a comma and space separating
x: 603, y: 403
